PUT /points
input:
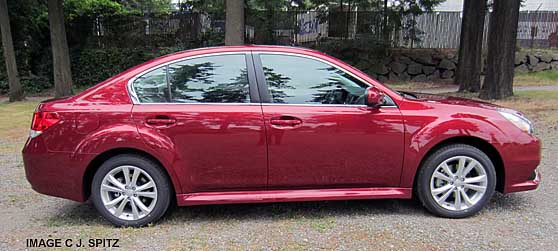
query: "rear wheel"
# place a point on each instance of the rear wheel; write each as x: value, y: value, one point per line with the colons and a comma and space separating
x: 456, y: 181
x: 131, y: 190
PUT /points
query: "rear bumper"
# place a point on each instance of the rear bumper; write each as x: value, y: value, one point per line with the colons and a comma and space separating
x: 58, y: 174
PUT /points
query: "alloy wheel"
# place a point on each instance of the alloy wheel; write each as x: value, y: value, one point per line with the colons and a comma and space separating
x: 458, y: 183
x: 128, y: 192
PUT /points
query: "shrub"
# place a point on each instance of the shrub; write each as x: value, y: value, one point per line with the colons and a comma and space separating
x: 91, y: 66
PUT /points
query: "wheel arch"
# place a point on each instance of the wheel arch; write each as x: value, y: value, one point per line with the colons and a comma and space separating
x: 478, y: 143
x: 94, y: 165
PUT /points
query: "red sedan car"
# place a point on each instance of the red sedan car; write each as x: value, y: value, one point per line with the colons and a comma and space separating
x: 271, y: 124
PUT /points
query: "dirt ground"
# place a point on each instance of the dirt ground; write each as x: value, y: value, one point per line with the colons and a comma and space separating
x: 520, y: 221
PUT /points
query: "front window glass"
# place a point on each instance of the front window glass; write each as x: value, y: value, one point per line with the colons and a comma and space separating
x: 211, y: 79
x: 300, y: 80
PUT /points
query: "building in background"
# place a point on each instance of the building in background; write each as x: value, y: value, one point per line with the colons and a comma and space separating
x: 528, y: 5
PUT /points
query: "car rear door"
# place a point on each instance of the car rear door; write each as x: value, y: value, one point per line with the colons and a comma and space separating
x: 204, y: 114
x: 319, y: 132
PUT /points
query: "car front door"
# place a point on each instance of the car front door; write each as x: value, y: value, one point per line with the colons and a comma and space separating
x: 319, y: 132
x: 205, y: 113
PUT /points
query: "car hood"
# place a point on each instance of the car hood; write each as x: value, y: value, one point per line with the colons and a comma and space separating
x: 451, y: 100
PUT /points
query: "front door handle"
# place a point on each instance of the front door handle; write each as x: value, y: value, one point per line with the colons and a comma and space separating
x: 285, y: 122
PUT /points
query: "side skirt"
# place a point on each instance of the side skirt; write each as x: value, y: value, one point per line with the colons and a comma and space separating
x: 206, y: 198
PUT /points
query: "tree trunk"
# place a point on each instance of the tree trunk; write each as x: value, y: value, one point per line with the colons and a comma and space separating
x: 385, y: 32
x: 502, y: 36
x: 269, y: 21
x: 234, y: 23
x: 469, y: 65
x: 16, y: 92
x: 348, y: 20
x: 60, y: 52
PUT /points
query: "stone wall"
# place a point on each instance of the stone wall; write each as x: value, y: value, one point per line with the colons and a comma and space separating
x: 418, y: 65
x: 425, y: 65
x: 535, y: 61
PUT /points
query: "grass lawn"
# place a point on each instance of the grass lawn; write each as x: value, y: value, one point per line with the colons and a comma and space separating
x: 15, y: 121
x: 414, y: 86
x: 537, y: 105
x: 543, y: 78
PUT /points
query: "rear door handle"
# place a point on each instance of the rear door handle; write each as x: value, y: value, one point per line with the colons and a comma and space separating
x: 160, y: 121
x: 285, y: 121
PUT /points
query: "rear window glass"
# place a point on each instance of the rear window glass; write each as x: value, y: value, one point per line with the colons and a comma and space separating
x: 152, y: 86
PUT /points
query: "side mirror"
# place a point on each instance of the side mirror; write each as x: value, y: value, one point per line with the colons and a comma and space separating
x: 374, y: 98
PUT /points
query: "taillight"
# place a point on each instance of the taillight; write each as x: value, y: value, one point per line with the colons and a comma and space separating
x: 42, y: 121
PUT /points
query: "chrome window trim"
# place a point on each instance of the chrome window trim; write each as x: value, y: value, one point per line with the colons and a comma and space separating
x: 268, y: 104
x: 134, y: 96
x: 135, y: 99
x: 171, y: 103
x: 326, y: 105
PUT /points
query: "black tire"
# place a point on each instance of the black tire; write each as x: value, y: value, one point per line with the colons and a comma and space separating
x: 162, y: 183
x: 436, y: 158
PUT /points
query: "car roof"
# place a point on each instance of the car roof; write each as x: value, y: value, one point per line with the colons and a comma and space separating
x: 249, y: 47
x: 239, y: 48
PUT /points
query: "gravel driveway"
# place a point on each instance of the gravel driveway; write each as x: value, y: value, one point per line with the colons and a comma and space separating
x: 511, y: 222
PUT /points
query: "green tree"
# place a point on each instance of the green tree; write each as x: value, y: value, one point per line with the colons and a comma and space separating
x: 146, y: 6
x: 16, y: 92
x: 468, y: 72
x: 502, y: 38
x: 234, y: 23
x: 211, y: 6
x: 78, y: 8
x: 60, y: 52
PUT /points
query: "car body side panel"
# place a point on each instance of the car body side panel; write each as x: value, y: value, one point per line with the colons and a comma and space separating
x: 123, y: 134
x: 428, y: 124
x: 270, y: 196
x: 335, y: 146
x: 211, y: 146
x: 86, y: 131
x: 80, y: 120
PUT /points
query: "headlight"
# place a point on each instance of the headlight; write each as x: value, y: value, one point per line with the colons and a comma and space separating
x: 520, y: 121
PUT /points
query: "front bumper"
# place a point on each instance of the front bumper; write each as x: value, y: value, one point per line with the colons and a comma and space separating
x: 527, y: 185
x: 521, y: 158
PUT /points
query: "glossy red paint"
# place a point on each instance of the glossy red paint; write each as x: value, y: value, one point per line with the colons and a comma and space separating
x: 256, y: 152
x: 214, y: 147
x: 352, y: 146
x: 269, y: 196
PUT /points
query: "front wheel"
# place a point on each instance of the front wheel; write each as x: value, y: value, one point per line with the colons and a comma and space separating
x: 131, y: 190
x: 456, y: 181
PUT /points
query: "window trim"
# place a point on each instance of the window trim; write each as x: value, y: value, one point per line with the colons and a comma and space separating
x: 252, y: 83
x: 263, y: 87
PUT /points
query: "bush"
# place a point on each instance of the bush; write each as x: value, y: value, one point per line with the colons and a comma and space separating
x: 91, y: 66
x: 364, y: 53
x: 30, y: 85
x: 347, y: 49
